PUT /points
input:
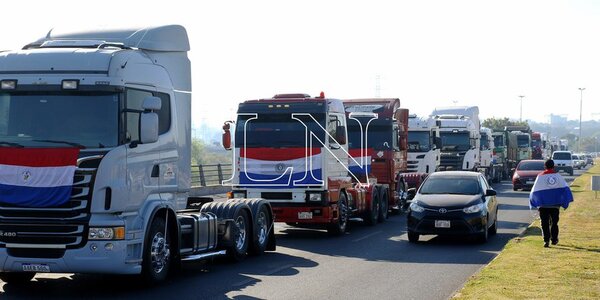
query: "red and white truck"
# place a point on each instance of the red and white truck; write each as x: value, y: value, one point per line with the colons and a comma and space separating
x: 292, y: 150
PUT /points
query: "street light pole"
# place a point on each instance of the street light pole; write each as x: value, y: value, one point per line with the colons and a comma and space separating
x: 580, y: 106
x: 521, y: 113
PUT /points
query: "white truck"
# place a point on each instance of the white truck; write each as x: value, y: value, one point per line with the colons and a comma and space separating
x: 491, y: 167
x: 460, y: 137
x: 101, y: 120
x: 423, y: 145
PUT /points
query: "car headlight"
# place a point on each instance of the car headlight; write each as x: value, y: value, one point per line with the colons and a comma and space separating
x: 106, y: 233
x: 516, y: 176
x: 474, y: 208
x: 416, y: 207
x: 315, y: 197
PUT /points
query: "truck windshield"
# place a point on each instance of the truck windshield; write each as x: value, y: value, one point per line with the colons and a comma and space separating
x: 279, y: 130
x: 455, y: 141
x: 483, y: 143
x: 536, y: 143
x: 84, y: 120
x: 523, y: 141
x: 379, y: 134
x: 498, y: 141
x: 418, y: 141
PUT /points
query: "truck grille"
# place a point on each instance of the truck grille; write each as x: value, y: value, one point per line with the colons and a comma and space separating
x: 452, y: 161
x: 412, y: 166
x: 62, y: 227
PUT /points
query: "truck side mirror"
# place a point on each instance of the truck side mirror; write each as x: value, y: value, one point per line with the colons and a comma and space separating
x: 340, y: 135
x: 226, y: 138
x: 149, y: 120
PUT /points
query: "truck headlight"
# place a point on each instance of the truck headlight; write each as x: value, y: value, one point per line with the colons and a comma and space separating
x: 315, y: 197
x: 106, y: 233
x: 473, y: 208
x: 239, y: 194
x: 8, y: 84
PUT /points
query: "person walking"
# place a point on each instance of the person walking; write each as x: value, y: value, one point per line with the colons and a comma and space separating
x: 550, y: 191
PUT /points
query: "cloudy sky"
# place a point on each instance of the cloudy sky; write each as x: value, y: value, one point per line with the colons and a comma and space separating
x: 427, y: 53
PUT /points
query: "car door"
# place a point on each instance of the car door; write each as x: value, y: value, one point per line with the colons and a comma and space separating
x: 490, y: 201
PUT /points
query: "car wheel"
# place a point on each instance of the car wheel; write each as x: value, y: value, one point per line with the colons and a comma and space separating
x: 515, y: 188
x: 494, y: 229
x: 339, y: 227
x: 483, y: 237
x: 413, y: 237
x: 16, y: 277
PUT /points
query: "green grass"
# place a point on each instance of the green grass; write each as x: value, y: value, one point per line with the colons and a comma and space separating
x: 569, y: 270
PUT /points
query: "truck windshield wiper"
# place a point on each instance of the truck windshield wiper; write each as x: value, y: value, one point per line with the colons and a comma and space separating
x: 11, y: 144
x: 77, y: 145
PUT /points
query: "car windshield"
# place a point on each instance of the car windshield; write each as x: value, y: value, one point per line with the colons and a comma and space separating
x: 561, y: 156
x: 418, y: 141
x: 531, y: 166
x: 451, y: 185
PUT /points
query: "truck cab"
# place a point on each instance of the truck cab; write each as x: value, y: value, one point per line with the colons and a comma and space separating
x: 460, y: 137
x: 423, y: 145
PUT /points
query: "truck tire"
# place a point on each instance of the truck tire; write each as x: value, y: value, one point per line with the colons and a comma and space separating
x: 372, y: 214
x: 241, y: 241
x: 16, y: 277
x: 383, y: 207
x: 262, y: 230
x: 413, y: 237
x: 339, y: 227
x: 157, y: 254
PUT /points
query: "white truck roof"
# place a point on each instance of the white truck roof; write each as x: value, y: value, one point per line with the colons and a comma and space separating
x: 469, y: 111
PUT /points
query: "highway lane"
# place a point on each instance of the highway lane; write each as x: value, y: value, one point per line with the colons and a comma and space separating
x: 367, y: 262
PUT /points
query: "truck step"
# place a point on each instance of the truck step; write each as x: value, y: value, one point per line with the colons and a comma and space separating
x: 204, y: 255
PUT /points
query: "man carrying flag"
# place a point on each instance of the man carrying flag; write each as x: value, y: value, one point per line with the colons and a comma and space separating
x: 550, y: 191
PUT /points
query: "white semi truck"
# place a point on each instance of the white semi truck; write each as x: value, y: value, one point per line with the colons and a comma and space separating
x: 460, y: 137
x: 423, y: 145
x: 488, y: 163
x: 112, y: 108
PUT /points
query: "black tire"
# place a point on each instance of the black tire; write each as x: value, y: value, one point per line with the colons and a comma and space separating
x: 515, y: 188
x: 16, y: 277
x: 383, y: 206
x: 372, y: 214
x: 241, y: 240
x: 484, y: 236
x: 339, y: 227
x: 157, y: 254
x: 494, y: 229
x: 262, y: 227
x: 413, y: 237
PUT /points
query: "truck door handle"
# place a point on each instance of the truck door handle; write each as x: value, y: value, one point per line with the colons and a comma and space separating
x: 155, y: 171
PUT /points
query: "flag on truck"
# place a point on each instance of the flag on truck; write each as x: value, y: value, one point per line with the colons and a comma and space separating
x: 37, y: 177
x: 550, y: 189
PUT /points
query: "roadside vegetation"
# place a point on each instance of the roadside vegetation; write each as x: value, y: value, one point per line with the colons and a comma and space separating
x: 206, y: 153
x: 569, y: 270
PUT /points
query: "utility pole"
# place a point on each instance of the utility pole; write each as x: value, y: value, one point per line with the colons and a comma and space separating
x: 521, y: 115
x: 580, y: 106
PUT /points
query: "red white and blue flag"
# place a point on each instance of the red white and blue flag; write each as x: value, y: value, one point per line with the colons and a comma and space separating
x: 37, y: 177
x: 549, y: 190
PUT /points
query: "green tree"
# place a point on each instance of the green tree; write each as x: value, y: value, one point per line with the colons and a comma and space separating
x: 498, y: 124
x: 203, y: 153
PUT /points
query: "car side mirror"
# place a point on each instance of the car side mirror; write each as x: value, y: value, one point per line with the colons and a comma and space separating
x: 411, y: 193
x: 490, y: 193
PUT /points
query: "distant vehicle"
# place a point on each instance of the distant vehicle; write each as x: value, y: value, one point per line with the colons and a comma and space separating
x: 525, y: 173
x: 578, y: 161
x: 589, y: 159
x: 563, y: 161
x: 453, y: 203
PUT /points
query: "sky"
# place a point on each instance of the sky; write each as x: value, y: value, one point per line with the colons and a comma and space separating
x: 427, y: 53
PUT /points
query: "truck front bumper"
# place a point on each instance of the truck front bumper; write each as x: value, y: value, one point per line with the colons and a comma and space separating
x: 101, y: 257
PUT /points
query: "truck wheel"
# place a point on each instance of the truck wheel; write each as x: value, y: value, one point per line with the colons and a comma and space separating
x: 239, y: 248
x: 339, y: 227
x: 16, y: 277
x: 372, y: 214
x: 413, y: 237
x: 262, y: 228
x: 383, y: 207
x: 157, y: 254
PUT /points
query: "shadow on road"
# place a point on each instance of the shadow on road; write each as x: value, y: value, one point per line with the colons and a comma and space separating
x: 198, y: 280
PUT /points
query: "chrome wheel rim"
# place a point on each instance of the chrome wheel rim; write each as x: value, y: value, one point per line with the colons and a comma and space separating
x: 159, y: 252
x: 263, y: 229
x: 241, y: 236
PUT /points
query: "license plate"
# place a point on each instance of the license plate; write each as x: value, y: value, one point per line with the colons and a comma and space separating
x: 304, y: 215
x: 36, y: 268
x: 442, y: 224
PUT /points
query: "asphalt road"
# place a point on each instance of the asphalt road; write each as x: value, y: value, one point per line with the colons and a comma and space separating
x: 366, y: 263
